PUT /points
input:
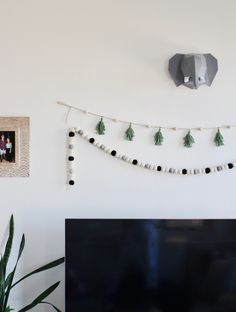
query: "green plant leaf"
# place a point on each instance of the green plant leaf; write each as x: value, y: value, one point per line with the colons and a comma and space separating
x: 12, y: 274
x: 100, y: 128
x: 8, y: 280
x: 2, y: 285
x: 6, y: 283
x: 45, y: 302
x: 8, y: 247
x: 3, y: 266
x: 42, y: 268
x: 40, y: 298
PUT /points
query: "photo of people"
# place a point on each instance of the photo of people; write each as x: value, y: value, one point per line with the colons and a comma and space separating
x: 7, y: 147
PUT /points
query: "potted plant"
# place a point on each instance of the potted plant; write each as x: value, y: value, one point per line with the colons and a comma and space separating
x: 7, y: 280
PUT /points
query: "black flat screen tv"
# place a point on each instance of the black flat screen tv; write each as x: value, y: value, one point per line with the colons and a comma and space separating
x: 146, y: 265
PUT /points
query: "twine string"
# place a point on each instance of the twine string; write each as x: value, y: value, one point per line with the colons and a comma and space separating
x: 175, y: 128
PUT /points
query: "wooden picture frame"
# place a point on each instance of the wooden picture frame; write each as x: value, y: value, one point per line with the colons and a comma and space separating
x: 14, y: 146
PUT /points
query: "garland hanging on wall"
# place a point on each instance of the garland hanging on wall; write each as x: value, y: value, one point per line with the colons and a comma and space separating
x: 188, y: 139
x: 133, y: 161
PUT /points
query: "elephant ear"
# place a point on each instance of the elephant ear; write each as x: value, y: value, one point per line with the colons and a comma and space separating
x: 175, y: 69
x: 212, y: 68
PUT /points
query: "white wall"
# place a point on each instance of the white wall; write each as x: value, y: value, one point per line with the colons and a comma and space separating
x: 111, y: 57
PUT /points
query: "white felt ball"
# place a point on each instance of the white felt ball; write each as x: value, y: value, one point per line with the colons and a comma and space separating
x: 71, y: 171
x: 225, y: 167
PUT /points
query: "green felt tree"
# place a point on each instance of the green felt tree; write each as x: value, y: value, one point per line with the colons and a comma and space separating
x: 100, y: 128
x: 158, y: 138
x: 219, y: 139
x: 129, y: 133
x: 188, y: 140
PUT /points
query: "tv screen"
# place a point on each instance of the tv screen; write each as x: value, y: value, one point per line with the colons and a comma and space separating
x: 150, y: 265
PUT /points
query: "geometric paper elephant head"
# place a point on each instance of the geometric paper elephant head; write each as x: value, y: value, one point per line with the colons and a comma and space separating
x: 193, y: 70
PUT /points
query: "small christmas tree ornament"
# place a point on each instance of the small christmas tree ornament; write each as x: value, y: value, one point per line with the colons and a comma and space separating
x: 158, y: 138
x: 188, y: 140
x: 129, y: 133
x: 219, y: 139
x: 100, y: 128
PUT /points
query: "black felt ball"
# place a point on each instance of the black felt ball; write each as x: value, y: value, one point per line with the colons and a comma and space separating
x: 91, y: 140
x: 113, y: 153
x: 71, y: 134
x: 159, y: 168
x: 71, y: 182
x: 207, y: 170
x: 184, y: 171
x: 230, y: 166
x: 71, y: 158
x: 134, y: 162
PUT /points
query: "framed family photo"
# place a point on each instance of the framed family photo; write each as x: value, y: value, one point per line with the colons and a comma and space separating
x: 14, y: 146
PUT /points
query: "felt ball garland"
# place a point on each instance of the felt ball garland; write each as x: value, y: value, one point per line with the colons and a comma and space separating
x: 114, y: 153
x: 70, y: 156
